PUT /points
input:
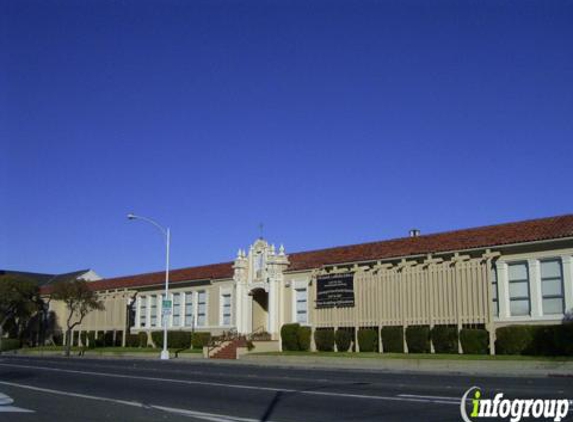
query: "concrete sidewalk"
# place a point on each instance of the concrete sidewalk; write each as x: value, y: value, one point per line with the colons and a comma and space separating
x: 524, y: 368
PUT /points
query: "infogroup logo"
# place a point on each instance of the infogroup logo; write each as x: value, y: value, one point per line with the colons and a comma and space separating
x: 514, y: 409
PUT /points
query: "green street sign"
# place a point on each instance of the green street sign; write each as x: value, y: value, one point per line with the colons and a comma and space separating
x: 166, y: 304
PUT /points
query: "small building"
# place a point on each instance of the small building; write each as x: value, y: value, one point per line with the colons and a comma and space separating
x: 487, y: 277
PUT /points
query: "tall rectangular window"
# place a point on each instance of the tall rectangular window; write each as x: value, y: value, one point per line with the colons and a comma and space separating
x: 301, y: 306
x: 153, y: 311
x: 189, y: 309
x: 519, y: 298
x: 552, y: 287
x: 201, y: 308
x: 176, y: 309
x: 226, y: 308
x: 143, y: 311
x: 494, y: 292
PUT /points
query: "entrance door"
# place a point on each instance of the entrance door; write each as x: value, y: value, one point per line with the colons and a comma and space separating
x: 260, y: 310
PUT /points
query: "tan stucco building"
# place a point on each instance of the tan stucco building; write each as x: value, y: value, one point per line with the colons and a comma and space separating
x: 485, y: 277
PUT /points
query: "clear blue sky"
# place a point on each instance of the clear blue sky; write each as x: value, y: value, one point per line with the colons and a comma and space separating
x: 331, y: 122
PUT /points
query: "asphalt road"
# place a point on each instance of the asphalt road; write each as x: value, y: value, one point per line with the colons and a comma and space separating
x: 83, y: 389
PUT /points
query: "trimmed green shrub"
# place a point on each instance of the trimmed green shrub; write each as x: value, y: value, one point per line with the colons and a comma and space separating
x: 91, y: 339
x: 368, y: 339
x: 393, y: 339
x: 84, y: 338
x: 324, y: 339
x: 99, y: 340
x: 132, y: 340
x: 58, y: 339
x: 303, y: 338
x: 343, y: 339
x: 445, y: 338
x: 563, y: 339
x: 537, y: 340
x: 179, y: 339
x: 118, y: 339
x: 108, y: 339
x: 514, y: 339
x: 142, y: 336
x: 199, y: 340
x: 157, y: 338
x: 10, y: 344
x: 418, y: 339
x: 475, y: 341
x: 289, y: 337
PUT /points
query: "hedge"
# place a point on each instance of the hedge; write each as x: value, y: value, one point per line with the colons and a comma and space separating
x: 142, y: 339
x: 289, y: 337
x: 537, y: 340
x: 393, y: 339
x: 303, y: 338
x: 132, y: 340
x: 343, y: 339
x: 514, y: 340
x: 368, y: 339
x: 84, y: 338
x: 475, y: 341
x: 91, y: 339
x: 108, y: 339
x: 99, y: 340
x: 418, y: 339
x: 10, y: 344
x: 445, y: 338
x: 175, y: 339
x: 324, y: 340
x: 200, y: 340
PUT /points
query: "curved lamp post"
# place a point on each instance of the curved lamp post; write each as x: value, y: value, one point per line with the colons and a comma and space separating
x: 167, y: 234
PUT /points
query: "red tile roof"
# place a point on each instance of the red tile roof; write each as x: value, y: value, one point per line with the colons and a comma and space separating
x: 459, y: 240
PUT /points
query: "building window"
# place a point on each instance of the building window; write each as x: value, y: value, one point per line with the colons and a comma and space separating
x: 301, y: 306
x: 552, y: 287
x: 519, y: 303
x: 153, y: 313
x: 494, y: 291
x: 226, y: 308
x: 143, y: 311
x: 176, y: 309
x: 201, y: 308
x: 189, y: 317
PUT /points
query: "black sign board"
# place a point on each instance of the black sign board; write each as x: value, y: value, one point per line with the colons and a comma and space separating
x: 335, y: 290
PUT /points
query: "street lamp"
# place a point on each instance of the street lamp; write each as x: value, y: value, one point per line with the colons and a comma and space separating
x: 167, y: 234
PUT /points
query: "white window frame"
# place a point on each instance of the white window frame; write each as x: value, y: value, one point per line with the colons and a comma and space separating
x: 529, y: 289
x: 206, y: 321
x: 193, y: 295
x: 561, y: 279
x: 299, y: 285
x: 225, y: 291
x: 172, y: 319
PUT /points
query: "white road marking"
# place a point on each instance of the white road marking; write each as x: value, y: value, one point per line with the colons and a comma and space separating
x: 430, y: 397
x: 235, y: 386
x: 6, y: 405
x: 192, y: 413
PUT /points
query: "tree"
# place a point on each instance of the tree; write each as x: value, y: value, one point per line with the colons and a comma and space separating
x: 18, y: 299
x: 80, y: 300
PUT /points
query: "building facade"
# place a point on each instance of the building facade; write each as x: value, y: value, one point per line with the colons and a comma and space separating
x: 516, y: 273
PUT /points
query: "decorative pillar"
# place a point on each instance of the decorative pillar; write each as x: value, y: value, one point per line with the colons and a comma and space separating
x: 568, y: 282
x: 535, y: 288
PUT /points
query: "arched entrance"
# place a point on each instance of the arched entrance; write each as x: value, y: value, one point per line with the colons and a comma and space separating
x: 260, y: 310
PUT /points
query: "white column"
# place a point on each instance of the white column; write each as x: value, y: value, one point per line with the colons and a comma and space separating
x: 502, y: 290
x: 535, y: 288
x: 238, y: 311
x: 137, y: 312
x: 568, y: 282
x: 272, y: 308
